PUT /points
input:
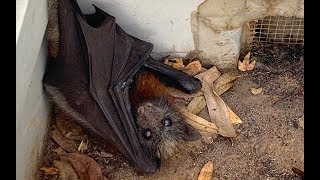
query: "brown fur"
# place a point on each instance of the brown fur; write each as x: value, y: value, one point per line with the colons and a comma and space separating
x: 148, y: 88
x: 52, y: 31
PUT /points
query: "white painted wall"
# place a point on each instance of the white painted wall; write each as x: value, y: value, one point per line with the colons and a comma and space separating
x: 31, y: 105
x: 165, y: 23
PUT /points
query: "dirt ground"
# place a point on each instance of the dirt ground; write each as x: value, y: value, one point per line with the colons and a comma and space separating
x: 270, y: 140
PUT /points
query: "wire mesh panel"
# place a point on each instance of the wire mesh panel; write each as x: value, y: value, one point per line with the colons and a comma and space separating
x: 278, y: 29
x: 274, y: 39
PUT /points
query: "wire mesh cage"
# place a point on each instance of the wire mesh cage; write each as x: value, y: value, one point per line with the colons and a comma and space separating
x: 278, y: 29
x: 276, y: 37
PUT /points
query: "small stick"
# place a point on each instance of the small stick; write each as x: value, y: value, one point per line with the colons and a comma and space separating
x: 298, y: 171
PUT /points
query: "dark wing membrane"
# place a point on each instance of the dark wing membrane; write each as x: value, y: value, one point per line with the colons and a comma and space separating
x: 96, y: 62
x: 112, y: 63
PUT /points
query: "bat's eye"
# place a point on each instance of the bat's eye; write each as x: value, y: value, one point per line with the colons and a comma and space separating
x: 166, y: 122
x: 147, y: 134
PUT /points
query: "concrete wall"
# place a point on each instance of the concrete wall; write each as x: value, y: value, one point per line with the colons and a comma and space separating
x: 217, y: 25
x: 31, y: 106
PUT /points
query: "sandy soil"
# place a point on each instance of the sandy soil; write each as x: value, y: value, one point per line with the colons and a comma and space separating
x: 269, y: 143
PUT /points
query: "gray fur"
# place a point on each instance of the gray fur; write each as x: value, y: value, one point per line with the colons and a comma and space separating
x: 57, y: 97
x: 164, y: 141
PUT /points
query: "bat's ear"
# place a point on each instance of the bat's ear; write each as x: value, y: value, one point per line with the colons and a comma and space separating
x: 190, y: 133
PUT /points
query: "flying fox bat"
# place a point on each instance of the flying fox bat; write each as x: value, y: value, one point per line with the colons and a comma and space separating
x: 90, y: 78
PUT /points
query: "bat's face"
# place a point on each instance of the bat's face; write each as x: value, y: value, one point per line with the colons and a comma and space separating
x: 162, y: 128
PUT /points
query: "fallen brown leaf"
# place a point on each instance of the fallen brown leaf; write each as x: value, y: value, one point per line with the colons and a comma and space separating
x: 203, y: 70
x: 204, y: 113
x: 193, y: 68
x: 217, y: 109
x: 213, y: 73
x: 180, y: 94
x: 246, y: 65
x: 176, y: 63
x: 233, y: 117
x: 206, y: 171
x: 66, y: 170
x: 256, y: 91
x: 86, y: 167
x: 196, y: 105
x: 69, y: 128
x: 224, y: 82
x: 49, y: 170
x: 197, y: 122
x: 67, y: 144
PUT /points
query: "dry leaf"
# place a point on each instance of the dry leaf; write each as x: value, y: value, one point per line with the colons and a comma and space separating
x: 69, y: 128
x: 204, y: 113
x: 180, y: 94
x: 206, y: 171
x: 203, y: 70
x: 196, y: 105
x: 66, y: 170
x: 193, y: 68
x: 176, y: 63
x: 213, y: 73
x: 197, y: 122
x: 224, y: 82
x: 86, y: 167
x: 217, y: 109
x: 49, y: 170
x: 301, y: 121
x: 66, y: 144
x: 256, y: 91
x: 83, y: 145
x: 233, y: 117
x: 245, y: 65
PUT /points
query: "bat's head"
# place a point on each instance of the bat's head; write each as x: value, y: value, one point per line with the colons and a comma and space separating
x: 162, y: 128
